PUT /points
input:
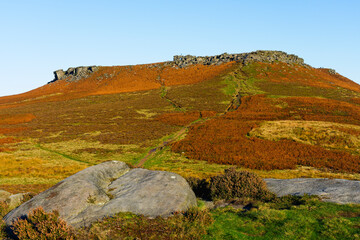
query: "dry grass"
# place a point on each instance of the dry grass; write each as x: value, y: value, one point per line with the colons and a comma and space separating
x: 326, y: 134
x: 28, y: 164
x: 305, y: 172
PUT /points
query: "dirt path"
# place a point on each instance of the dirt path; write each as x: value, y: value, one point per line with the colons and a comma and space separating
x: 234, y: 103
x: 174, y: 138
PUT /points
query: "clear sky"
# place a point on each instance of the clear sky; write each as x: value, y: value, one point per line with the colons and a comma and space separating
x: 40, y: 36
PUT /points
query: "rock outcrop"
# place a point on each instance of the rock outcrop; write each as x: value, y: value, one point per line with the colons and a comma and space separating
x: 74, y: 74
x: 109, y: 188
x: 330, y: 190
x: 244, y: 58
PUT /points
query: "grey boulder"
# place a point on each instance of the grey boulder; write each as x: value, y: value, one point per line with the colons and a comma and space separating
x: 330, y: 190
x: 108, y: 188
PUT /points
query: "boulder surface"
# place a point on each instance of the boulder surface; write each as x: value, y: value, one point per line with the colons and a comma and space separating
x: 330, y: 190
x: 108, y: 188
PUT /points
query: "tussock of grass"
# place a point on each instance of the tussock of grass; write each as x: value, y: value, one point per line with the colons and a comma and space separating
x: 147, y: 114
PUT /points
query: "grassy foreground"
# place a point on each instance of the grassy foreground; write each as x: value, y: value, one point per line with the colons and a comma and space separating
x: 285, y: 218
x: 312, y: 219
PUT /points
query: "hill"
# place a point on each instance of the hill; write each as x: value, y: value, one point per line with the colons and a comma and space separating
x: 265, y: 111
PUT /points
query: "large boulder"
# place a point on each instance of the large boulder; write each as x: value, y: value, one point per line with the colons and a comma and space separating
x: 330, y: 190
x: 109, y: 188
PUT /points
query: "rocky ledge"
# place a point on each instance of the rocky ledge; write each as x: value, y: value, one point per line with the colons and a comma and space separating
x: 179, y: 61
x: 74, y: 74
x: 244, y: 58
x: 330, y: 190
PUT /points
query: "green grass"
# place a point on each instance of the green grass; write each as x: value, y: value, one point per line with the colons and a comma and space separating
x: 311, y: 220
x: 249, y: 87
x: 165, y: 160
x: 231, y: 85
x: 62, y: 154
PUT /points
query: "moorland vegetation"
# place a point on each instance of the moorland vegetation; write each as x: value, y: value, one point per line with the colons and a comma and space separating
x: 275, y: 119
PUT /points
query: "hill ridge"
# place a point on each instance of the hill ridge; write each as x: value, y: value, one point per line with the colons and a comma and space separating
x: 180, y: 61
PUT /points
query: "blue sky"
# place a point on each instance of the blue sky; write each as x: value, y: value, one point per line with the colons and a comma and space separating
x: 38, y: 37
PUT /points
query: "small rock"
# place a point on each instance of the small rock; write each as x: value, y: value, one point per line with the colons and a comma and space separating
x: 15, y: 200
x: 4, y: 195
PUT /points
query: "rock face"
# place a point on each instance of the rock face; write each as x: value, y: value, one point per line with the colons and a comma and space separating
x: 109, y: 188
x: 244, y: 58
x: 74, y: 74
x: 330, y: 190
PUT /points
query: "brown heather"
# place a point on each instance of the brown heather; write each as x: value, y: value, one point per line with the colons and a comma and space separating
x: 117, y: 79
x: 184, y: 118
x: 41, y: 225
x: 317, y: 77
x: 225, y: 139
x: 238, y: 184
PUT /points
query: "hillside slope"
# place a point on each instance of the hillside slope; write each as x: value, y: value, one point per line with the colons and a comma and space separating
x: 265, y: 111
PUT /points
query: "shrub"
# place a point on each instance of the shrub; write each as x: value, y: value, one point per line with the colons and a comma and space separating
x: 4, y: 209
x: 42, y: 225
x: 239, y: 184
x: 200, y: 187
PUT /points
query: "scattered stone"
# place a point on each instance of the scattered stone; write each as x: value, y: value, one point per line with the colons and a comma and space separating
x: 330, y: 190
x: 332, y: 71
x: 4, y: 195
x: 15, y: 200
x: 109, y: 188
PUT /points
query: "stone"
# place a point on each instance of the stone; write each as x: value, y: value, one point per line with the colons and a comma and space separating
x: 74, y: 74
x: 59, y: 74
x: 4, y: 195
x: 15, y: 200
x: 108, y: 188
x: 332, y: 71
x: 330, y: 190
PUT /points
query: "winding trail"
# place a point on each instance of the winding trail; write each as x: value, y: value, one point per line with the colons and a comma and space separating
x: 236, y: 101
x: 172, y: 139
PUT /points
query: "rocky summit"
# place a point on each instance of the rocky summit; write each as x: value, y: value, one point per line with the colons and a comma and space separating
x: 108, y: 188
x: 244, y: 58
